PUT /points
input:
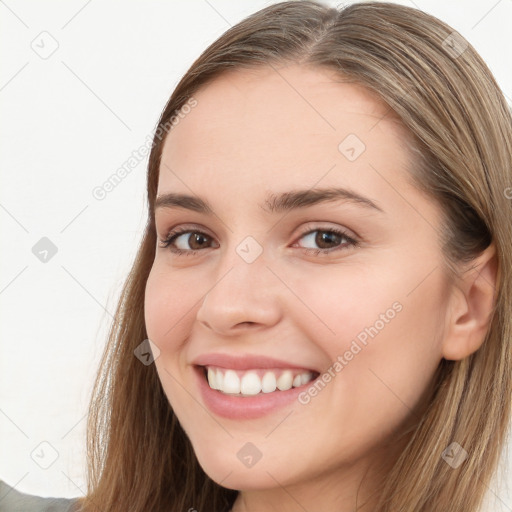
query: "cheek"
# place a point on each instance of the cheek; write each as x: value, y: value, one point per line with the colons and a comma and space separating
x: 345, y: 305
x: 382, y: 308
x: 166, y: 305
x: 382, y: 337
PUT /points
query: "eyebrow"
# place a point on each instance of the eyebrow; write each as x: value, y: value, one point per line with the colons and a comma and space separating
x: 274, y: 203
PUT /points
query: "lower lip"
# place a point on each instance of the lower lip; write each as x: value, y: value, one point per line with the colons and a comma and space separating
x: 245, y: 407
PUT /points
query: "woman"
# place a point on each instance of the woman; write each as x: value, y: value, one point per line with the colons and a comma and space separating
x: 318, y: 315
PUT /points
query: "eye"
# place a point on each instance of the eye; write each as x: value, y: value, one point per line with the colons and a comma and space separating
x: 328, y: 240
x: 183, y: 237
x: 183, y: 241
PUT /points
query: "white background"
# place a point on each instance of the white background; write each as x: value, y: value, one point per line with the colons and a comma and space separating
x: 68, y: 122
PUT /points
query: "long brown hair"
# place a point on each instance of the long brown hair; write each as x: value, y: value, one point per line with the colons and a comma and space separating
x: 140, y: 459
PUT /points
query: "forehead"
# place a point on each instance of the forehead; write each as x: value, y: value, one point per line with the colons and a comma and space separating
x: 276, y: 126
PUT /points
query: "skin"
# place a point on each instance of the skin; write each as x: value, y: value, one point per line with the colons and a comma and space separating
x: 252, y: 133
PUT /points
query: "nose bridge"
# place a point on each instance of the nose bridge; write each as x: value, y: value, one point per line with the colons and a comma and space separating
x: 244, y: 289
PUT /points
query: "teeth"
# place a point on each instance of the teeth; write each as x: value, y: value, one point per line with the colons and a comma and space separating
x: 254, y: 382
x: 306, y: 377
x: 285, y: 380
x: 268, y: 383
x: 250, y: 384
x: 212, y: 378
x: 231, y: 382
x: 219, y: 379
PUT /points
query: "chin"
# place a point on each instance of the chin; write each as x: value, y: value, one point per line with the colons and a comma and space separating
x: 231, y: 473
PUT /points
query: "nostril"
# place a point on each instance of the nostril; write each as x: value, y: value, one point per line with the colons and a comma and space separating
x: 245, y: 324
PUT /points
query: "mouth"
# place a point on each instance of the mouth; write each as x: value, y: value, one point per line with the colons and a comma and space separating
x: 257, y: 381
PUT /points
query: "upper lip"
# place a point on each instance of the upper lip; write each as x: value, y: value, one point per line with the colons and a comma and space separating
x: 245, y: 362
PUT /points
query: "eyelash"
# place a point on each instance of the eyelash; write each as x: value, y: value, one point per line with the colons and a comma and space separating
x: 166, y: 243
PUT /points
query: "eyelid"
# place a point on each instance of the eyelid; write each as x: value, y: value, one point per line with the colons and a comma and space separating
x: 304, y: 229
x: 310, y: 227
x: 321, y: 226
x: 186, y: 226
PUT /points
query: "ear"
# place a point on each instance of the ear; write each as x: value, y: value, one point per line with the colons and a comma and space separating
x: 470, y: 307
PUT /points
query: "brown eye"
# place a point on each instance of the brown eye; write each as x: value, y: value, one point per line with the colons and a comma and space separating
x: 327, y: 240
x: 196, y: 240
x: 186, y: 241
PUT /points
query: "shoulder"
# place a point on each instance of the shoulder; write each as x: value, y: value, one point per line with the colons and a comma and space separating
x: 12, y: 500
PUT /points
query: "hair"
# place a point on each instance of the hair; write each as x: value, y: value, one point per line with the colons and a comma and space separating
x: 460, y: 126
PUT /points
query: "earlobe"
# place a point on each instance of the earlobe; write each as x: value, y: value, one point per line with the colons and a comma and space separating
x: 471, y: 307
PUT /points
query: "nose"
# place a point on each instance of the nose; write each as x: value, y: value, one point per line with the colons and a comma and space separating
x: 244, y: 295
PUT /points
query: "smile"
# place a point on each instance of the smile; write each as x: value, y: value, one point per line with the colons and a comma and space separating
x: 256, y: 381
x: 238, y: 406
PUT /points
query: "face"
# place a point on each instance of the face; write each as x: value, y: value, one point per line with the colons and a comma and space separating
x: 346, y: 287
